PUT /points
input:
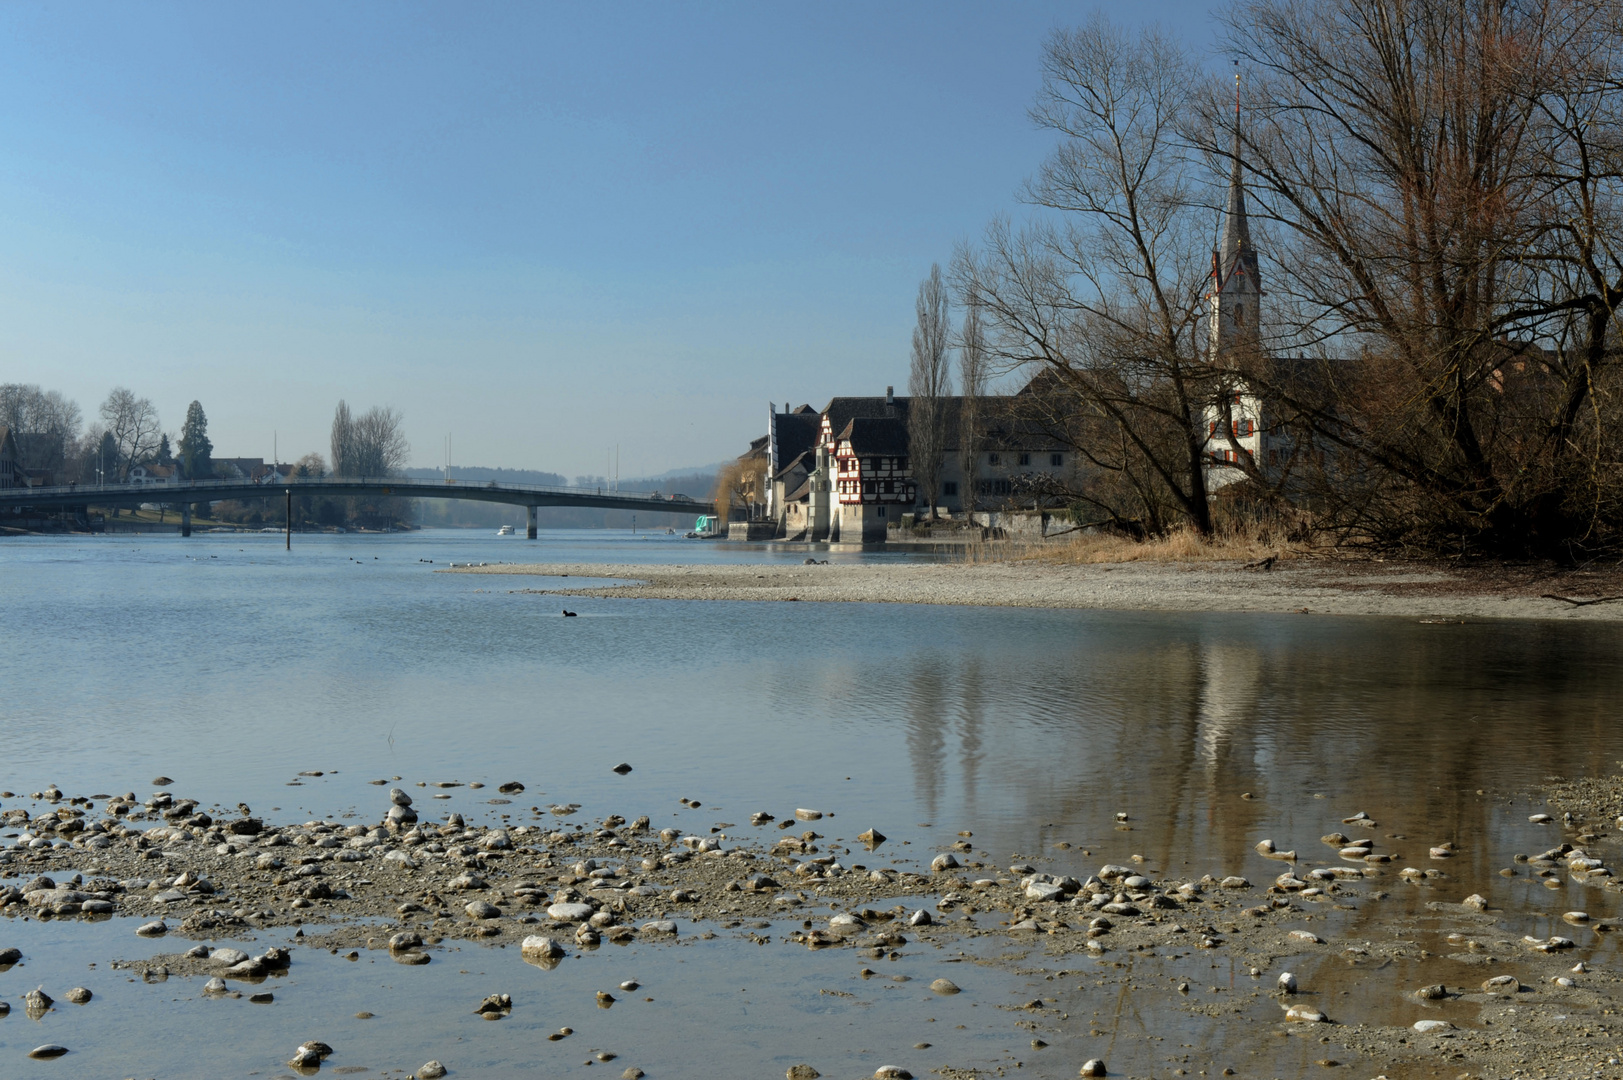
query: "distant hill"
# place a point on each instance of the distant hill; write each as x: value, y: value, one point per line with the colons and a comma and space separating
x: 698, y: 483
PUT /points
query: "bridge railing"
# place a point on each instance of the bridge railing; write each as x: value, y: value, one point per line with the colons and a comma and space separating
x: 414, y: 487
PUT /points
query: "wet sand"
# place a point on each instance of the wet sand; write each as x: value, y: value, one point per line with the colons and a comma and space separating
x: 1325, y: 587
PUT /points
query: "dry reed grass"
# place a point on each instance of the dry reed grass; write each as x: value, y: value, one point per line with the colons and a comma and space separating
x: 1229, y: 544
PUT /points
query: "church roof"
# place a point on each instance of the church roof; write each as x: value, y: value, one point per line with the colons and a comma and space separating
x: 1237, y: 256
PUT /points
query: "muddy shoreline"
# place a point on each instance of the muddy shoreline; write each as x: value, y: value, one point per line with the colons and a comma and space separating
x: 561, y: 887
x: 1326, y: 587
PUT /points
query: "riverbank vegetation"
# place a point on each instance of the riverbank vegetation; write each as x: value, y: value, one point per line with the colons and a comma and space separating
x: 1436, y: 193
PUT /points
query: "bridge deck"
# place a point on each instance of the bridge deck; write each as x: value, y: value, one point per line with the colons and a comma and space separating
x: 55, y: 498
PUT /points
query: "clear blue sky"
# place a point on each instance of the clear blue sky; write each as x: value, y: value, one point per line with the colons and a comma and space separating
x: 543, y: 228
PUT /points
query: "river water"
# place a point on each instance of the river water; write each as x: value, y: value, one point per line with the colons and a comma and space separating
x: 233, y: 667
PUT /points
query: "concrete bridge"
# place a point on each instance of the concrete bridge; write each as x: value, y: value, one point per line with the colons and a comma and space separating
x: 185, y: 494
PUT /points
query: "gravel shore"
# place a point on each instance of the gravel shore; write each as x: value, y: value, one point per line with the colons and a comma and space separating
x: 1308, y: 586
x: 556, y: 891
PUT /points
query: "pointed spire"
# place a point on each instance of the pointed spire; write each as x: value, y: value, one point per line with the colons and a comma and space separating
x: 1237, y: 254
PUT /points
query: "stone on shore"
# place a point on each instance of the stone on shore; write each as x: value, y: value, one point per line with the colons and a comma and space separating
x: 47, y: 1052
x: 432, y: 1070
x: 801, y: 1072
x: 540, y: 946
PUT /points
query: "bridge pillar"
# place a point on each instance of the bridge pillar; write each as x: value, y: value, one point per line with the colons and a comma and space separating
x: 185, y: 519
x: 529, y: 526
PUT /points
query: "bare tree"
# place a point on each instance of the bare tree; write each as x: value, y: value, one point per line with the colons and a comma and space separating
x: 740, y: 484
x: 1107, y: 301
x: 972, y: 379
x: 133, y: 424
x: 343, y: 441
x: 45, y: 423
x: 378, y: 446
x: 929, y: 383
x: 311, y: 466
x: 1449, y: 178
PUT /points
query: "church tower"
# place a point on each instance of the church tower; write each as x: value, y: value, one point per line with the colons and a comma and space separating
x: 1235, y: 289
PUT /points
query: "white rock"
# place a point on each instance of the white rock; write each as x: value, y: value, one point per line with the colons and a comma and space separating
x: 1042, y: 891
x: 568, y: 912
x: 539, y: 945
x: 1287, y: 982
x: 1429, y: 1027
x: 1304, y: 1014
x: 227, y: 957
x: 945, y: 861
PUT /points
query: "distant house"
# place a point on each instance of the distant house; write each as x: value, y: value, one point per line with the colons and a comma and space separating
x: 154, y: 474
x: 272, y: 474
x: 846, y: 473
x: 237, y: 468
x: 11, y: 473
x: 873, y: 484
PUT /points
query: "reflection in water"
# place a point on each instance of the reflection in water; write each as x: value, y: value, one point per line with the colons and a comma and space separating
x: 1172, y: 719
x: 1030, y: 728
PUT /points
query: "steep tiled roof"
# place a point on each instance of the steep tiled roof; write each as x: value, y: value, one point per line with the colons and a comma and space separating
x: 794, y: 433
x: 875, y: 435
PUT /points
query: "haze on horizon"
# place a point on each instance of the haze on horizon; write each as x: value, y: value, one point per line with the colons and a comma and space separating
x: 543, y: 229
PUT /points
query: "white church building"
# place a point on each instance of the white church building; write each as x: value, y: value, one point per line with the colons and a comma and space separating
x: 1243, y: 432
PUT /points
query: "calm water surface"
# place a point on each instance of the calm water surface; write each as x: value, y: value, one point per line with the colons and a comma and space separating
x: 232, y: 666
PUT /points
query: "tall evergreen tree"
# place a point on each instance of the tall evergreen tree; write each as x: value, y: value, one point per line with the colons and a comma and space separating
x: 196, y: 452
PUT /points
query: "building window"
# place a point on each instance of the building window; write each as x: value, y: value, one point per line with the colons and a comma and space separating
x: 1025, y: 459
x: 949, y: 488
x: 901, y: 464
x: 881, y: 511
x: 993, y: 459
x: 1056, y: 460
